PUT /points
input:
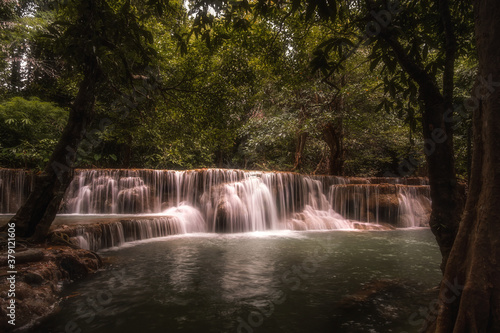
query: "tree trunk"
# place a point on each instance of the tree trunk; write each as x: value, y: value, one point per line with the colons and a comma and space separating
x: 333, y: 136
x: 299, y: 151
x: 469, y: 152
x: 15, y: 71
x: 438, y: 148
x: 470, y: 290
x: 438, y: 135
x: 34, y: 218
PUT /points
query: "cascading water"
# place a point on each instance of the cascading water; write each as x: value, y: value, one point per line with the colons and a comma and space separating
x: 15, y: 186
x: 414, y: 206
x: 247, y: 205
x: 360, y: 202
x: 181, y: 220
x: 217, y: 200
x: 317, y: 213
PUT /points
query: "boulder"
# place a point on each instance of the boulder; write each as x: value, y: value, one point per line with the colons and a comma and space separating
x: 222, y: 217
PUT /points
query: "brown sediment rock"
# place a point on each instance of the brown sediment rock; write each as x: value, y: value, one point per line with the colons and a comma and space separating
x: 373, y: 226
x: 28, y: 255
x: 40, y: 273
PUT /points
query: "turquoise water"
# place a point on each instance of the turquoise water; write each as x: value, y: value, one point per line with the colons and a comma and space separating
x: 336, y: 281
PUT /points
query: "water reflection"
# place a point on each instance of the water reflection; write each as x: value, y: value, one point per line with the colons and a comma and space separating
x: 264, y: 282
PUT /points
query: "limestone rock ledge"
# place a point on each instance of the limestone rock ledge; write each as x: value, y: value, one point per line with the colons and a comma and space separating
x: 41, y: 273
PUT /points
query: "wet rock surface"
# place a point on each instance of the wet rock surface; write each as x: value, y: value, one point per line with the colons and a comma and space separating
x: 41, y: 273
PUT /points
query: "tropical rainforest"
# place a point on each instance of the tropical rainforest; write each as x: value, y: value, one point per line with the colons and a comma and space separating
x: 243, y: 93
x: 338, y: 87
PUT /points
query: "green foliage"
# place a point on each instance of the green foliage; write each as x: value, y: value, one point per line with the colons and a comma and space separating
x: 29, y: 130
x: 268, y: 142
x: 191, y: 117
x: 227, y: 84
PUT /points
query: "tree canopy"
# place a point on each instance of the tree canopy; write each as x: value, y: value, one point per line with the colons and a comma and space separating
x: 242, y: 85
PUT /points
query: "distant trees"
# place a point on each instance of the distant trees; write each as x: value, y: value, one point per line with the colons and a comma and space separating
x: 242, y: 96
x: 250, y: 86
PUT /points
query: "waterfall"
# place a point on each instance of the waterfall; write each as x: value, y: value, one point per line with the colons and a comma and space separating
x: 414, y: 206
x: 15, y: 186
x: 107, y: 235
x: 318, y: 213
x: 219, y: 200
x: 187, y: 218
x: 360, y: 202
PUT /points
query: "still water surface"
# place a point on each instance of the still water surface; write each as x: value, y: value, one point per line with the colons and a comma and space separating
x: 337, y: 281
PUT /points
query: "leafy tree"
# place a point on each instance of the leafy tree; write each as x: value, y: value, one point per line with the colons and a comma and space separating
x: 199, y: 102
x: 29, y: 130
x: 106, y: 45
x: 415, y: 56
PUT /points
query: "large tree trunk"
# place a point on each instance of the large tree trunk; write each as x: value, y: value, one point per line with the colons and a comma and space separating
x: 470, y: 290
x: 333, y: 136
x: 34, y: 218
x: 446, y: 203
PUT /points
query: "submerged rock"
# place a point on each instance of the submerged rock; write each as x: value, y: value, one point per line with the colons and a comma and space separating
x: 380, y: 302
x: 369, y: 291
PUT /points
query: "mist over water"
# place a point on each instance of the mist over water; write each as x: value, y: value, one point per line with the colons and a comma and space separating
x: 228, y: 201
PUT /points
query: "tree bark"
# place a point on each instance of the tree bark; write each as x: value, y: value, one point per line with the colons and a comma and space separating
x: 34, y: 218
x: 333, y: 136
x: 299, y: 151
x: 473, y: 268
x: 438, y: 148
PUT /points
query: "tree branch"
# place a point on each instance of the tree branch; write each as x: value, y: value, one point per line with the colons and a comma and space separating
x: 428, y: 86
x: 450, y: 51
